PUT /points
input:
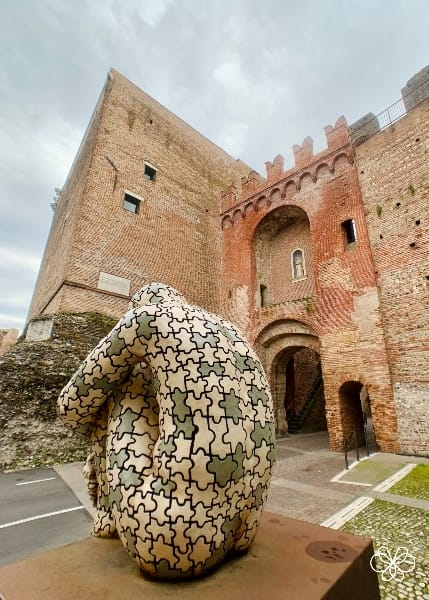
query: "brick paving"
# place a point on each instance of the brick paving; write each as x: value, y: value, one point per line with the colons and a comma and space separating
x: 301, y: 486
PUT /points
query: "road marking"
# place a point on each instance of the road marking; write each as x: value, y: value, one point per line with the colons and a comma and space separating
x: 345, y: 514
x: 35, y: 481
x: 390, y: 481
x: 51, y: 514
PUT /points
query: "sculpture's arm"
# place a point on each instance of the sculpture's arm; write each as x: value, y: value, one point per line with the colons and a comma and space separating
x: 101, y: 373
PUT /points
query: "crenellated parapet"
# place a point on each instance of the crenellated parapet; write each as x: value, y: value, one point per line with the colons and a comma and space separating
x: 228, y: 198
x: 280, y: 184
x: 275, y: 168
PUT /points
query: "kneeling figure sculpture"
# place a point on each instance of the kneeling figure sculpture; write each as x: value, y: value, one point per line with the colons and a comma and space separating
x: 178, y: 412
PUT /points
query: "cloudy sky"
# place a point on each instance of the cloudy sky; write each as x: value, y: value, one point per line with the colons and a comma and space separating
x: 254, y: 76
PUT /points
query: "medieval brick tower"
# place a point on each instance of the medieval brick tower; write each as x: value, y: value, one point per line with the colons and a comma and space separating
x: 324, y: 266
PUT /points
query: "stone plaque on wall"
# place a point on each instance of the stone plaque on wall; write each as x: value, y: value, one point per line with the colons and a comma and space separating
x: 113, y: 283
x: 39, y: 330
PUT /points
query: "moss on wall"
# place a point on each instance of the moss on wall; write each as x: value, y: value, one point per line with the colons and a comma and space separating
x: 31, y: 376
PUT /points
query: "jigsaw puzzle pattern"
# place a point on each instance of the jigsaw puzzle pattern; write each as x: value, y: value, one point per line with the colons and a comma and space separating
x: 179, y: 414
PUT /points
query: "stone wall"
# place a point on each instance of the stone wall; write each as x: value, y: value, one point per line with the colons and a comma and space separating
x: 393, y: 174
x: 8, y: 338
x: 32, y: 374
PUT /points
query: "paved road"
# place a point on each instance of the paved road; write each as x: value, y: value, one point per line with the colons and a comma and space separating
x: 27, y: 525
x: 302, y: 488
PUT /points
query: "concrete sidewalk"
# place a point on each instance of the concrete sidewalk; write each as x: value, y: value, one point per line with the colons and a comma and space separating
x: 72, y: 475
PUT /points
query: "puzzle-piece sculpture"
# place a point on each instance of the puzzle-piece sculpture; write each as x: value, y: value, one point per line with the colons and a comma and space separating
x: 178, y: 411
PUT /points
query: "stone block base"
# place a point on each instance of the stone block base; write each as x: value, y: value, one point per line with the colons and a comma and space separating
x: 289, y: 560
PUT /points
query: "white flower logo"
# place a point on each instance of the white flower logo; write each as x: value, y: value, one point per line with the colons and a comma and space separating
x: 393, y: 567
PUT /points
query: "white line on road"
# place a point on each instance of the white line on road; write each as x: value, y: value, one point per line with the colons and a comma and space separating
x: 52, y: 514
x: 35, y: 481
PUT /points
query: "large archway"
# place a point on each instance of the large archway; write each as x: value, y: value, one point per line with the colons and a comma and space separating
x: 283, y: 257
x: 290, y: 353
x: 298, y: 372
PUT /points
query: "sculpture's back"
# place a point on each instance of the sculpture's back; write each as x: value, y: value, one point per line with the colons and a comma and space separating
x: 179, y: 413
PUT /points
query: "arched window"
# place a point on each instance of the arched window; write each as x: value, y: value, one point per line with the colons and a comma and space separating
x: 298, y: 264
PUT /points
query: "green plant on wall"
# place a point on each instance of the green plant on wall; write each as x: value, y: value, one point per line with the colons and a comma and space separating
x: 379, y: 210
x: 411, y: 189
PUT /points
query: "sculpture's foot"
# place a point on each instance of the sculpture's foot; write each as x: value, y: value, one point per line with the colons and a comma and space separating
x: 90, y: 475
x: 104, y: 525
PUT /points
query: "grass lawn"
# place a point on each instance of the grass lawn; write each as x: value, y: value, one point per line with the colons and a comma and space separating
x: 393, y: 526
x: 414, y: 485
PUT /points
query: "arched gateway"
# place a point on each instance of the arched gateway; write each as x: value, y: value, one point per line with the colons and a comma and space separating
x: 290, y: 352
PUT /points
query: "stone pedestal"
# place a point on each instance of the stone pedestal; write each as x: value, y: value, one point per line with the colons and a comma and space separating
x: 289, y: 560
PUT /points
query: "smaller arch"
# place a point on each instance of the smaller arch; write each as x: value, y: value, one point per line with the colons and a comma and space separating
x: 226, y: 222
x: 237, y: 216
x: 261, y: 202
x: 289, y: 189
x: 303, y: 176
x: 275, y: 195
x: 320, y: 168
x: 341, y: 156
x: 248, y: 208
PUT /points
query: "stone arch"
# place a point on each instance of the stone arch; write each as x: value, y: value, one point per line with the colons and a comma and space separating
x: 226, y: 222
x: 290, y: 189
x: 260, y: 202
x: 248, y: 208
x: 275, y: 195
x: 277, y: 235
x: 304, y: 178
x: 237, y: 216
x: 277, y: 344
x: 341, y: 159
x: 322, y: 170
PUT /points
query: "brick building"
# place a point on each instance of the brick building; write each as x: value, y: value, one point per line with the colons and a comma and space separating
x: 324, y: 266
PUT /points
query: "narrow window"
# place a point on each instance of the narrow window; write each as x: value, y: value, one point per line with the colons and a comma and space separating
x: 349, y: 232
x: 131, y: 203
x: 298, y: 266
x: 149, y: 172
x: 263, y: 295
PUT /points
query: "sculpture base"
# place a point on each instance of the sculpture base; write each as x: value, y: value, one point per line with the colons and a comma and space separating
x: 289, y: 559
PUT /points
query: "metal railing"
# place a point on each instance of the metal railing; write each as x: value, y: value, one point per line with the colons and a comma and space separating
x: 391, y: 114
x: 386, y: 117
x: 363, y: 441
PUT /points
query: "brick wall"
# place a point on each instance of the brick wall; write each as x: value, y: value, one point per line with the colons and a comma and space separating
x: 361, y: 305
x: 305, y: 207
x: 393, y: 174
x: 67, y: 213
x: 175, y: 236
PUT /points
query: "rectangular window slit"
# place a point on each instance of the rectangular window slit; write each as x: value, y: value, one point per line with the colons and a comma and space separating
x: 349, y: 231
x: 131, y: 203
x: 149, y: 172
